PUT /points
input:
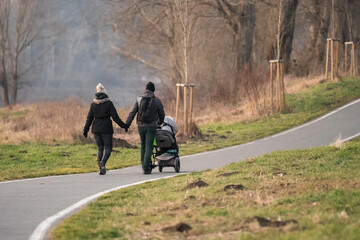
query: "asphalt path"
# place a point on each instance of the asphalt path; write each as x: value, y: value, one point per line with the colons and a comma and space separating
x: 30, y: 208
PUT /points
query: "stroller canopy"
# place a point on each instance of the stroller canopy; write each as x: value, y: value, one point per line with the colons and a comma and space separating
x: 170, y: 121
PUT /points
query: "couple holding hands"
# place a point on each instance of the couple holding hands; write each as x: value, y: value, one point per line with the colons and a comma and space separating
x: 102, y: 109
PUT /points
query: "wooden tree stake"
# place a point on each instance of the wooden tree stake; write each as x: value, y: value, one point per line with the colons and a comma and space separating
x: 191, y: 109
x: 352, y: 69
x: 271, y: 87
x: 333, y: 44
x: 327, y: 58
x: 187, y: 111
x: 177, y: 103
x: 280, y: 87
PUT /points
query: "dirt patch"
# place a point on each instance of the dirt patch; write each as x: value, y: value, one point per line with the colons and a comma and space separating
x: 118, y: 142
x: 199, y: 183
x: 193, y: 136
x: 180, y: 227
x: 263, y: 222
x: 23, y: 151
x: 65, y: 154
x: 147, y: 223
x: 129, y: 214
x: 234, y: 187
x: 180, y: 207
x: 229, y: 174
x: 191, y: 197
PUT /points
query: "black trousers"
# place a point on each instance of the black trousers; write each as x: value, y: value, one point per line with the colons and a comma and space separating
x: 104, y: 141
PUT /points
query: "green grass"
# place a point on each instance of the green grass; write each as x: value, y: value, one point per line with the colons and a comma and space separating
x: 313, y: 193
x: 35, y: 160
x: 301, y: 108
x: 7, y: 113
x: 38, y: 160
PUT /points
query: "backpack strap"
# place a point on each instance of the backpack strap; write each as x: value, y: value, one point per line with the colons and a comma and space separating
x: 138, y: 100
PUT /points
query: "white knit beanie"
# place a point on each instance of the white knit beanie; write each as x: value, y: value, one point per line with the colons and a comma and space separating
x: 100, y: 88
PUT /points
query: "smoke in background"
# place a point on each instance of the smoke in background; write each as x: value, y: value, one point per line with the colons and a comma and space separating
x: 73, y: 58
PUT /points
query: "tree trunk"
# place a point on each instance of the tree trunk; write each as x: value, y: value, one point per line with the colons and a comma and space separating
x: 323, y: 31
x: 4, y: 80
x: 247, y: 27
x: 4, y: 90
x: 287, y: 30
x: 243, y: 35
x: 14, y: 90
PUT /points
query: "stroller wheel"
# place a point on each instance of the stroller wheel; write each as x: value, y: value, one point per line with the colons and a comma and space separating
x: 177, y: 165
x: 160, y: 168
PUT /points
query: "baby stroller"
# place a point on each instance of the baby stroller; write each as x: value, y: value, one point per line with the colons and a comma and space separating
x: 166, y: 149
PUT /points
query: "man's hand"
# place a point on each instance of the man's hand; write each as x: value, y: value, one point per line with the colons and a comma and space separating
x: 85, y: 134
x: 126, y: 127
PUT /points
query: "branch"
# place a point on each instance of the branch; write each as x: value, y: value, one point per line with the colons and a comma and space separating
x: 140, y: 59
x: 149, y: 20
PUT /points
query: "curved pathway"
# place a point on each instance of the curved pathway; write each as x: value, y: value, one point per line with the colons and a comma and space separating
x: 29, y: 208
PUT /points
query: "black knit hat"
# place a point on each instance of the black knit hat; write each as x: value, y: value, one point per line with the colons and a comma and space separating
x: 150, y: 86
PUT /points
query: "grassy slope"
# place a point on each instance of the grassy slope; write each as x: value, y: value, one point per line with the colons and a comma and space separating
x: 38, y: 160
x: 35, y: 160
x: 303, y: 194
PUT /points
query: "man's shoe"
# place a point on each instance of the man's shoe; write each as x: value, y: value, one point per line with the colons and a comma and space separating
x: 146, y: 172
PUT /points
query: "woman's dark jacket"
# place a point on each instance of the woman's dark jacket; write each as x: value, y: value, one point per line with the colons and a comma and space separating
x: 101, y: 109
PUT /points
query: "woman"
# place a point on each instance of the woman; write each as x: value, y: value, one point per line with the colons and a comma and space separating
x: 101, y: 109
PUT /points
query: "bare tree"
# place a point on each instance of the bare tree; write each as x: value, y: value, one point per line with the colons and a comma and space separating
x: 156, y: 33
x: 27, y: 15
x: 240, y: 18
x: 285, y: 19
x: 19, y: 29
x: 4, y: 30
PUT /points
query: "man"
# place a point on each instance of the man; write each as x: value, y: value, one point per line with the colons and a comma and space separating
x: 150, y: 114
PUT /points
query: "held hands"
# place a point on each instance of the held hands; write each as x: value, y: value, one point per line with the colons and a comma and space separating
x: 126, y: 127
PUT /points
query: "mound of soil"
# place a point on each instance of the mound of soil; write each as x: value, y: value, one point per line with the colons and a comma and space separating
x: 229, y: 174
x: 194, y: 135
x: 235, y: 187
x: 118, y: 142
x: 191, y: 197
x: 180, y: 227
x: 199, y: 183
x: 263, y: 222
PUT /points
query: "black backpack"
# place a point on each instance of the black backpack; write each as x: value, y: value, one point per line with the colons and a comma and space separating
x: 146, y: 113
